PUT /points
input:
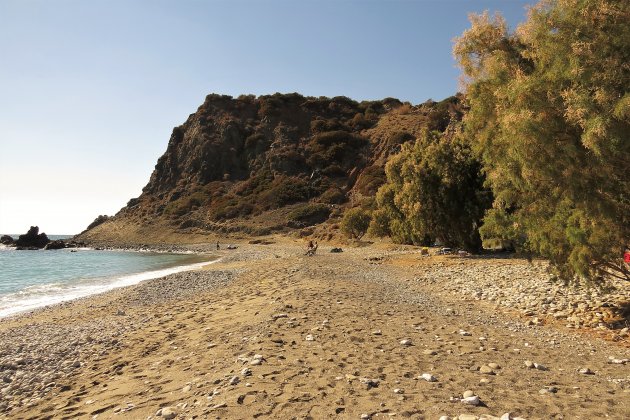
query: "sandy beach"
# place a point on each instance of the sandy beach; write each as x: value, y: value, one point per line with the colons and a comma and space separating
x: 373, y: 332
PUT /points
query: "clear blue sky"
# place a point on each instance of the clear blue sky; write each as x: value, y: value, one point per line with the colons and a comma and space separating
x: 90, y: 90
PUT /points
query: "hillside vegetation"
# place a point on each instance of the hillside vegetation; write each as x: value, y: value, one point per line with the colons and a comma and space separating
x: 275, y: 163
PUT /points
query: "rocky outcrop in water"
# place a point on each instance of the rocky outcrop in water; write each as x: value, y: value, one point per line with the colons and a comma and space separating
x: 58, y: 244
x: 32, y: 239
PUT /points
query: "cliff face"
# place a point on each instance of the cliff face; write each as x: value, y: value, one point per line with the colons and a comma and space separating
x: 269, y: 163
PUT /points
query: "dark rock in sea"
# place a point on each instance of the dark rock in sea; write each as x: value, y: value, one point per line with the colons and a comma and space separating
x: 58, y: 244
x: 32, y: 239
x: 6, y: 240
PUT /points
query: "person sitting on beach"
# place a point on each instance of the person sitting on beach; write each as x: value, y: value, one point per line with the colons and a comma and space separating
x: 312, y: 248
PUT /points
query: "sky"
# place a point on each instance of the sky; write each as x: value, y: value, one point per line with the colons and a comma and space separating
x: 90, y: 90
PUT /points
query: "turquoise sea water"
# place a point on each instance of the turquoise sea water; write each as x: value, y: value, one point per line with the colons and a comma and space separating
x: 32, y: 279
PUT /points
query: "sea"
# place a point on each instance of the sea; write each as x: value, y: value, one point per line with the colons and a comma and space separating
x: 33, y: 279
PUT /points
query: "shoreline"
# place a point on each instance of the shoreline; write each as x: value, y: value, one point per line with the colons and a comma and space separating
x: 267, y: 332
x: 102, y: 284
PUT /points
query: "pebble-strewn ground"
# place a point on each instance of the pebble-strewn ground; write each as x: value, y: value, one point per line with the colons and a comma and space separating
x: 368, y: 333
x: 530, y: 289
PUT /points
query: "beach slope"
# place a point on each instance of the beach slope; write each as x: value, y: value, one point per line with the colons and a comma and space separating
x: 268, y: 332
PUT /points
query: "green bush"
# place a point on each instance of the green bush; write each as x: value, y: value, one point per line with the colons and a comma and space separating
x: 355, y: 222
x: 283, y: 191
x: 187, y: 203
x: 333, y: 195
x: 370, y: 180
x: 232, y: 210
x: 310, y: 214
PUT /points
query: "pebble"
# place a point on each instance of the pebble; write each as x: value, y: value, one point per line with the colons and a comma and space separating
x: 405, y: 342
x: 468, y: 393
x: 186, y: 388
x: 399, y: 391
x: 365, y: 416
x: 370, y: 383
x: 377, y: 332
x: 166, y: 413
x: 474, y: 400
x: 487, y: 370
x: 246, y: 372
x: 234, y: 380
x: 429, y: 352
x: 531, y: 365
x: 467, y: 417
x: 428, y: 377
x: 310, y: 338
x: 586, y: 371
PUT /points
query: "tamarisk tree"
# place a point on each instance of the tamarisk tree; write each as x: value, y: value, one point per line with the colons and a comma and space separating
x: 549, y: 118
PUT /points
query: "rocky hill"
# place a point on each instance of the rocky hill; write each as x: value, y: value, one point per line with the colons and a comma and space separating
x: 258, y: 165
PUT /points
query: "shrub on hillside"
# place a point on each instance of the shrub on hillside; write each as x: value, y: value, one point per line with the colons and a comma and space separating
x: 284, y: 190
x: 370, y: 180
x: 310, y: 214
x: 187, y: 203
x: 333, y: 195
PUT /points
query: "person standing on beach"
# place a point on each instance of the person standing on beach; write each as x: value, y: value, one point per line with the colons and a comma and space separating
x: 218, y: 247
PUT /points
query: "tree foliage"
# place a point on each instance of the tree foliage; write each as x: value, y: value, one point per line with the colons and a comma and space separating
x: 550, y: 119
x: 355, y: 222
x: 434, y: 191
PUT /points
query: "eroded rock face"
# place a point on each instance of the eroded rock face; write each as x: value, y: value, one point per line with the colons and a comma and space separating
x: 236, y: 159
x: 32, y: 239
x: 6, y: 240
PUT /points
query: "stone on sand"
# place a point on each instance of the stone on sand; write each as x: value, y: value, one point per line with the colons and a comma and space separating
x: 473, y: 400
x: 485, y: 369
x: 166, y: 413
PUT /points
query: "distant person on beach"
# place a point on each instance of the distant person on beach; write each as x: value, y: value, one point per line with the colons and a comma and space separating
x: 312, y: 248
x: 626, y: 257
x: 218, y: 247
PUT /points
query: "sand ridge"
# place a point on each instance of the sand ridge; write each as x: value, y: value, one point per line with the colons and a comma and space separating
x: 270, y: 333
